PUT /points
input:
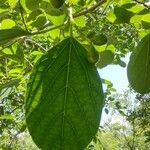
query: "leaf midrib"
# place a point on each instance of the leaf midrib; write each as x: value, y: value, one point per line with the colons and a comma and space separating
x: 66, y: 93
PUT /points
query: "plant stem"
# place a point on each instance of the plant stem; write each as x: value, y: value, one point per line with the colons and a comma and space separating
x: 89, y: 10
x: 22, y: 17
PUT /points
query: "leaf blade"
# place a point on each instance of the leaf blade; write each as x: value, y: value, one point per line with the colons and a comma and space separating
x: 139, y: 68
x: 10, y: 34
x: 75, y: 98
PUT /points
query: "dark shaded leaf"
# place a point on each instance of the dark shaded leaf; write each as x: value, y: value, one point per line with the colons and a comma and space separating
x: 97, y: 38
x: 121, y: 63
x: 9, y: 34
x: 49, y: 9
x: 32, y: 4
x: 139, y: 67
x: 146, y: 25
x: 57, y: 3
x: 39, y: 22
x: 122, y: 15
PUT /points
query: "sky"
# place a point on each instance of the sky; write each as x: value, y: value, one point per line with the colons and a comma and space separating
x: 117, y: 75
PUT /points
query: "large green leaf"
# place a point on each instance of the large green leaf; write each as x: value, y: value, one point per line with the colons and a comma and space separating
x: 8, y: 34
x: 64, y: 98
x: 139, y: 67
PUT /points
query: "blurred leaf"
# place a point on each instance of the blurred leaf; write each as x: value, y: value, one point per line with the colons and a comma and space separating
x: 9, y: 34
x: 32, y: 4
x: 73, y: 1
x: 139, y: 67
x: 93, y: 55
x: 57, y: 3
x: 97, y: 38
x: 146, y: 25
x: 121, y: 63
x: 7, y: 117
x: 56, y: 20
x: 12, y: 3
x: 122, y: 15
x: 144, y: 11
x: 34, y: 14
x: 111, y: 16
x: 129, y: 5
x: 15, y: 72
x: 136, y: 19
x: 106, y: 57
x: 136, y: 8
x: 80, y: 21
x: 7, y: 24
x: 106, y: 111
x: 146, y: 18
x: 11, y: 83
x: 107, y: 82
x: 39, y: 22
x: 49, y: 9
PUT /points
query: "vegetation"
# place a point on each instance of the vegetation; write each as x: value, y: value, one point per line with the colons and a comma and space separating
x: 50, y: 51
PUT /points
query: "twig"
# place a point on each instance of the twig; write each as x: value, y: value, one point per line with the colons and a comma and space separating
x: 22, y: 17
x: 37, y: 44
x: 7, y: 45
x: 44, y: 26
x: 44, y: 31
x: 89, y: 9
x: 144, y: 4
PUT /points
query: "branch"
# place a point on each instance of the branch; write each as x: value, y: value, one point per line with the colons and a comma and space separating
x: 44, y: 31
x: 91, y: 9
x: 22, y: 17
x: 37, y: 44
x: 144, y: 4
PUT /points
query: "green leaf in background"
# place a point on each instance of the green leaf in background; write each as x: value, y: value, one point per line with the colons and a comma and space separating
x: 97, y: 38
x: 145, y: 25
x: 122, y: 15
x: 73, y: 1
x: 146, y: 21
x: 49, y: 9
x: 106, y: 58
x: 80, y: 21
x: 7, y: 24
x: 92, y: 55
x: 39, y: 22
x: 34, y: 14
x: 12, y: 3
x: 11, y: 83
x: 57, y: 3
x: 120, y: 62
x: 32, y: 4
x: 64, y: 98
x: 9, y: 34
x: 139, y: 67
x: 7, y: 116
